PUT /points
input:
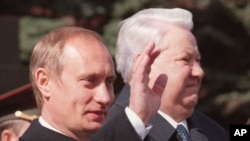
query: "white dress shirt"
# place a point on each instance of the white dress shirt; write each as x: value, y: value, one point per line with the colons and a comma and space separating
x: 172, y: 121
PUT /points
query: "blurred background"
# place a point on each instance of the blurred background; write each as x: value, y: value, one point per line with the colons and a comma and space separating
x: 221, y: 27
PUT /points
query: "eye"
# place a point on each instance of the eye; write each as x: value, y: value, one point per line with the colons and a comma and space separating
x: 198, y: 59
x: 186, y: 59
x: 110, y: 82
x: 90, y: 79
x: 89, y: 82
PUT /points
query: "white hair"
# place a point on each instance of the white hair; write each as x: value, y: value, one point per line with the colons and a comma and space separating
x: 138, y: 30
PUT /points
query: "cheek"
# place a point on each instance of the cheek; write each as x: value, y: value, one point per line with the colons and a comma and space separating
x: 176, y: 81
x: 68, y: 96
x: 180, y: 73
x: 177, y: 77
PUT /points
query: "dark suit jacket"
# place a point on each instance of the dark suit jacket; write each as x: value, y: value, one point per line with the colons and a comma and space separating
x: 201, y: 127
x: 119, y: 130
x: 36, y: 132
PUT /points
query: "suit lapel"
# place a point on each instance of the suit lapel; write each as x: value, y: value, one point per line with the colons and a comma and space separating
x: 195, y: 132
x: 162, y: 130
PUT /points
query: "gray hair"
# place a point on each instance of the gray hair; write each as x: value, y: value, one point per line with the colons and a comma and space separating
x: 138, y: 30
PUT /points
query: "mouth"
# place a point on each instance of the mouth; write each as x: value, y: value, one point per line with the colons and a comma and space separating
x: 194, y: 84
x: 98, y: 115
x: 192, y: 88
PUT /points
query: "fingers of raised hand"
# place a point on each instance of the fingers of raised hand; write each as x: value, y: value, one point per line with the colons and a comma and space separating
x: 145, y: 59
x: 159, y: 84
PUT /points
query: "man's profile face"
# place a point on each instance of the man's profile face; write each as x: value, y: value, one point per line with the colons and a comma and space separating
x: 180, y: 61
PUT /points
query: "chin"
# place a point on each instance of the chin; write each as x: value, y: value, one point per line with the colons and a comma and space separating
x: 191, y: 101
x: 94, y: 127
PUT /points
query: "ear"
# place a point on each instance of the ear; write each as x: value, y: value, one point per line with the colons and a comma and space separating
x: 8, y: 135
x: 42, y: 81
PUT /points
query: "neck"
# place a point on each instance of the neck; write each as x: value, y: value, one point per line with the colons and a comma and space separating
x: 178, y: 115
x: 79, y: 136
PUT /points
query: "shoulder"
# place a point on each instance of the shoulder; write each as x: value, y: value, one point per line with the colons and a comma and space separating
x: 36, y: 132
x: 208, y: 126
x: 204, y: 120
x: 119, y: 128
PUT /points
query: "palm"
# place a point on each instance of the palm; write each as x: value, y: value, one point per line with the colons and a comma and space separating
x: 145, y: 101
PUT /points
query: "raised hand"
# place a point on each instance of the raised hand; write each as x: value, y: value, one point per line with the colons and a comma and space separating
x: 145, y: 101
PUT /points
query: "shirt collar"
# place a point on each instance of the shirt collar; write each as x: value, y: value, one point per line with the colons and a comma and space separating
x: 172, y: 121
x: 47, y: 125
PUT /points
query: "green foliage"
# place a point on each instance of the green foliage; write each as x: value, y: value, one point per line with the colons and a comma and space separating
x: 110, y: 32
x: 31, y: 29
x: 122, y: 7
x: 241, y: 8
x: 89, y: 9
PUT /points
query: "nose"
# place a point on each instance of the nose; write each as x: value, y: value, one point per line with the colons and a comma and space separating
x: 197, y: 71
x: 104, y: 95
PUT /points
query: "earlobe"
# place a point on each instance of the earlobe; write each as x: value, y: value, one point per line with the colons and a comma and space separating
x: 42, y: 80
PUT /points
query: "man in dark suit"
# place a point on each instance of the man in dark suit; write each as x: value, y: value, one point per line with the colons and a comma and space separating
x: 201, y: 127
x: 179, y: 60
x: 72, y: 74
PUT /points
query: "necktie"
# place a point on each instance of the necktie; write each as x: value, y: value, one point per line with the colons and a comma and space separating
x: 182, y: 133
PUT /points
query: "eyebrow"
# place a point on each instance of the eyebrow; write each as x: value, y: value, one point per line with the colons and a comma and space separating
x: 93, y: 74
x: 194, y: 52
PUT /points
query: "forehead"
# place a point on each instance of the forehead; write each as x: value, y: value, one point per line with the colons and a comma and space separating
x: 88, y: 52
x: 180, y: 40
x: 90, y: 47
